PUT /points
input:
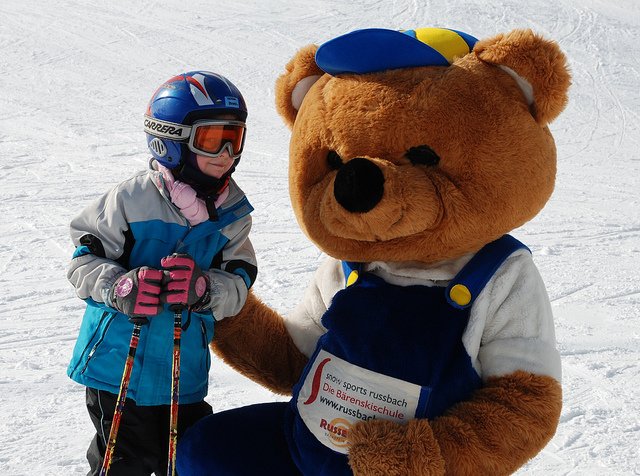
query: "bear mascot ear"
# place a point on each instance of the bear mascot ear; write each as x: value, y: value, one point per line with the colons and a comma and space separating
x: 537, y: 65
x: 292, y: 86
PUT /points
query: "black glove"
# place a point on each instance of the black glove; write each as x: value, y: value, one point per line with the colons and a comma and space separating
x: 137, y: 292
x: 184, y: 283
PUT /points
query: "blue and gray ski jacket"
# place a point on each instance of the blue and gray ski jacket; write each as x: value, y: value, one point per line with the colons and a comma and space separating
x: 134, y: 225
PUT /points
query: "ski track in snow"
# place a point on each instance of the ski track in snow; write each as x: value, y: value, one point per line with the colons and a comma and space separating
x: 76, y: 77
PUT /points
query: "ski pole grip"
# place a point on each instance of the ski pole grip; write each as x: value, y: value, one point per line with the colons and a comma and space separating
x: 139, y: 320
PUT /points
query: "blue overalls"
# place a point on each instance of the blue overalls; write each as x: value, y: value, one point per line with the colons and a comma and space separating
x: 390, y: 352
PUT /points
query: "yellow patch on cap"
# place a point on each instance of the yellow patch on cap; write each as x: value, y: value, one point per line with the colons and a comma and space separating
x: 446, y: 42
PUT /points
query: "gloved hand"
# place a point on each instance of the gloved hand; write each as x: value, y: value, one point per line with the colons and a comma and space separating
x: 184, y: 283
x: 137, y: 292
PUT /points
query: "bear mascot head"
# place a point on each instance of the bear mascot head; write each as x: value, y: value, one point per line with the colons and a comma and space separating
x: 425, y: 343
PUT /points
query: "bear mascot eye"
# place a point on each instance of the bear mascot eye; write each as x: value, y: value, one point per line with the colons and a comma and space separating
x: 334, y: 160
x: 422, y: 155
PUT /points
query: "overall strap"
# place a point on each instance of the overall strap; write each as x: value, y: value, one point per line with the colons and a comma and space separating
x: 467, y: 285
x: 352, y: 271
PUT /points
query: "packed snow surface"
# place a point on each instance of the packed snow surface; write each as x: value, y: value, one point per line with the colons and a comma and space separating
x: 75, y: 77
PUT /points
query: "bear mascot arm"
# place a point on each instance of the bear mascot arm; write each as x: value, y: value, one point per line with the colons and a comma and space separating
x: 511, y: 417
x: 256, y: 341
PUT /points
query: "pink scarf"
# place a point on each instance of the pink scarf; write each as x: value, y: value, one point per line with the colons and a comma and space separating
x: 184, y: 197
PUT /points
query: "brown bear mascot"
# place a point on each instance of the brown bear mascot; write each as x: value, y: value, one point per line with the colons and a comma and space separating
x: 425, y: 343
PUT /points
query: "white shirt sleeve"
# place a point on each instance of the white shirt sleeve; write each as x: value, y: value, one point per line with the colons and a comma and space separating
x: 511, y: 323
x: 304, y: 322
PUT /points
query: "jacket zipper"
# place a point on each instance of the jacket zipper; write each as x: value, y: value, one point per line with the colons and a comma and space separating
x: 97, y: 344
x: 204, y: 343
x: 204, y: 334
x: 102, y: 316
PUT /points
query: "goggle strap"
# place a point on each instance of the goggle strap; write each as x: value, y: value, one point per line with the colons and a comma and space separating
x: 166, y: 129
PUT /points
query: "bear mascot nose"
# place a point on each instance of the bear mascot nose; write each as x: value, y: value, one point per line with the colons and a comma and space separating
x: 359, y: 185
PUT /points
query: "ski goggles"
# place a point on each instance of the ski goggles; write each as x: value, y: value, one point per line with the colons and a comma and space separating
x: 212, y: 138
x: 208, y: 137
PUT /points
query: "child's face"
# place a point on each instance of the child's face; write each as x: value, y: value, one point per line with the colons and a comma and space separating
x: 215, y: 166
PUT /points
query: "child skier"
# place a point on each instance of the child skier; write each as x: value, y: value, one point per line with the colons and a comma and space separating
x: 176, y: 234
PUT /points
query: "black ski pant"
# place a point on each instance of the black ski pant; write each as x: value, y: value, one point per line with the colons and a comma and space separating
x: 142, y: 443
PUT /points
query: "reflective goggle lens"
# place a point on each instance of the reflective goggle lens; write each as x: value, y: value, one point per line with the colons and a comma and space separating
x: 210, y: 138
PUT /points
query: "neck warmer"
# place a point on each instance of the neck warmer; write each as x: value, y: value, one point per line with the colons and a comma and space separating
x: 185, y: 198
x: 206, y: 186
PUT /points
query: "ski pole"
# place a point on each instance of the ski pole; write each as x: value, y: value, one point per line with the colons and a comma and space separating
x: 175, y: 389
x: 122, y: 394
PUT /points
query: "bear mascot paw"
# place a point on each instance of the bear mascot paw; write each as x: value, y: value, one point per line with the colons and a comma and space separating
x: 425, y: 343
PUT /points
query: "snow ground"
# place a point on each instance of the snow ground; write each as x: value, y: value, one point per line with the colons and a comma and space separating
x: 75, y: 77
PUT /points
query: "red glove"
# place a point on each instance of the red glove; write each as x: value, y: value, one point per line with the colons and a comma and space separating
x: 137, y: 292
x: 184, y: 282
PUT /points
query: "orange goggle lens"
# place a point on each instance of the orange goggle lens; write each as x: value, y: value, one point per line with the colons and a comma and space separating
x: 211, y: 138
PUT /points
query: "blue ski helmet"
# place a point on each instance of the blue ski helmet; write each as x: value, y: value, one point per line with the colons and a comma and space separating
x: 178, y: 103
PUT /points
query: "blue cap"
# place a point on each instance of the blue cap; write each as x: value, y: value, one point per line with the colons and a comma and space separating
x: 378, y: 49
